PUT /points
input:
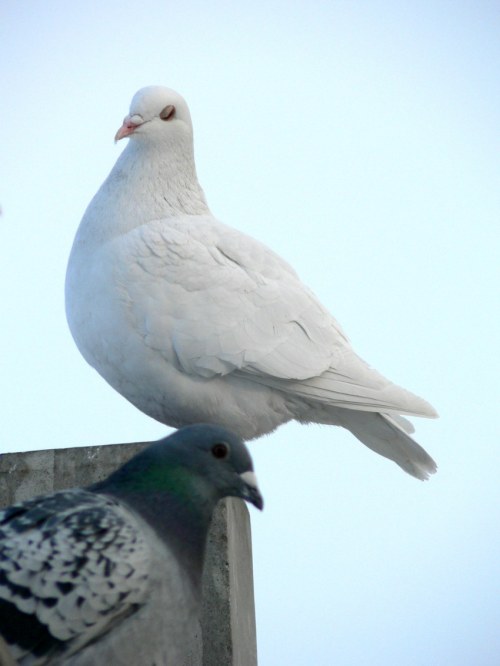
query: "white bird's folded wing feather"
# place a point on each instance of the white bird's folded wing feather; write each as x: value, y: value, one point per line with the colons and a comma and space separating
x: 229, y: 304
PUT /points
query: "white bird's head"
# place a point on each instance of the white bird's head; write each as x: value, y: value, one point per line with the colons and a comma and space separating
x: 156, y: 113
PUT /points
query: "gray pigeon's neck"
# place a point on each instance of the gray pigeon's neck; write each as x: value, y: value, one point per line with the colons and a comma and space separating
x: 182, y: 526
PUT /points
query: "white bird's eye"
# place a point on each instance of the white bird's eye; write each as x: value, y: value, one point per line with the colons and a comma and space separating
x: 168, y: 112
x: 220, y: 450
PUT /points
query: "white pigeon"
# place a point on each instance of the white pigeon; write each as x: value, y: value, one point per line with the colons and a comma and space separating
x: 192, y: 320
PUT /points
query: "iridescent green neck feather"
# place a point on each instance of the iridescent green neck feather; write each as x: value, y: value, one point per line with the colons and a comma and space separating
x: 175, y: 501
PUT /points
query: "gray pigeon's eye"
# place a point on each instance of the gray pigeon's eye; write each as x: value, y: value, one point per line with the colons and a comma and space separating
x: 168, y: 112
x: 220, y: 450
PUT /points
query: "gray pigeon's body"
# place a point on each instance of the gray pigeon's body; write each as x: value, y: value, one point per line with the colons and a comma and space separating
x: 112, y: 574
x: 192, y: 320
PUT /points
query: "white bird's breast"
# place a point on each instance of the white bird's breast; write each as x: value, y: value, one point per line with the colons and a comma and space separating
x: 161, y: 309
x: 189, y: 295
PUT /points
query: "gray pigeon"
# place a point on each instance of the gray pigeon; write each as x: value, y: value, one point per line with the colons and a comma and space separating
x: 111, y: 574
x: 193, y: 321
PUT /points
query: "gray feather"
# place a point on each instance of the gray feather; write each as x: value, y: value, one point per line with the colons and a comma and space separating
x: 111, y: 574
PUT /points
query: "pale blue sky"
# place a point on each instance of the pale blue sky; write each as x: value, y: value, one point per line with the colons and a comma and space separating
x: 360, y: 140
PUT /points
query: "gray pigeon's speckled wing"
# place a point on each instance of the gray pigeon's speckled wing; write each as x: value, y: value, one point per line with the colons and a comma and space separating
x: 71, y: 565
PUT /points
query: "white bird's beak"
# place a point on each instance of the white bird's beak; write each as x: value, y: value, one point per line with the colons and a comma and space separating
x: 130, y: 124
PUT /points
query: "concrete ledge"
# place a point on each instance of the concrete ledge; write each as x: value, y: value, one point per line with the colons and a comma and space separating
x: 228, y: 613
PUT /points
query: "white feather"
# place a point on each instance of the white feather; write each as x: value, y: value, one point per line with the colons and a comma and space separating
x: 194, y: 321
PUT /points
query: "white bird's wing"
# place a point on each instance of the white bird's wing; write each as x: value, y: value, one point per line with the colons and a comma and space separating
x: 228, y: 304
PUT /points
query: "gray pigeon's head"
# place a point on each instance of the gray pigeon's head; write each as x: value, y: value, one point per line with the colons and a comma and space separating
x: 200, y: 463
x: 156, y: 114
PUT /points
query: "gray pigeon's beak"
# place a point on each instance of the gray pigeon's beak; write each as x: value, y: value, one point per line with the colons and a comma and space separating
x: 130, y: 124
x: 251, y: 491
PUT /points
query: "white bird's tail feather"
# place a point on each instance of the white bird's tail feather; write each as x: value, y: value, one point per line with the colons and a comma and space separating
x: 403, y: 423
x: 385, y: 434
